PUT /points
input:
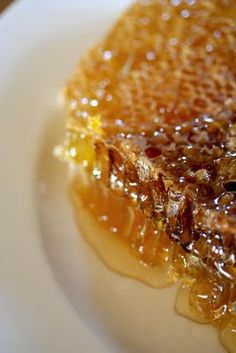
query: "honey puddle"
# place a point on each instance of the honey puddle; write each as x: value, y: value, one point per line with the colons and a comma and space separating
x: 128, y: 244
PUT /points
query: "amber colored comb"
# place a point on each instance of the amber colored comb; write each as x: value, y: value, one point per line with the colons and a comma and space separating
x: 152, y: 121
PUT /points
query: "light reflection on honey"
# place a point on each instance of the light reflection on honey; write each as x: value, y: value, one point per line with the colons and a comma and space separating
x: 130, y: 244
x: 159, y: 93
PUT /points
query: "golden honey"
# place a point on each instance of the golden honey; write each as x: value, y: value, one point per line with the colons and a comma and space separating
x: 152, y: 127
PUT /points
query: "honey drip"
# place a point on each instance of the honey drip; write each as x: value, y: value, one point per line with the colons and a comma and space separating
x: 152, y: 120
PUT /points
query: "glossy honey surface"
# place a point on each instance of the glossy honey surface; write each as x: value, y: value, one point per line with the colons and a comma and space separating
x: 152, y: 115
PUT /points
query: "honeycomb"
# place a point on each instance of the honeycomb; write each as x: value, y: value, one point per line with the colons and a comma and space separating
x: 152, y: 119
x: 162, y: 61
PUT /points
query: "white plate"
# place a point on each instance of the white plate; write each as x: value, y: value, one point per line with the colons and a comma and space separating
x: 55, y: 295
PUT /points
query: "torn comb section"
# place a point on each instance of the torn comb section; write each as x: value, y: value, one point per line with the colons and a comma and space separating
x: 120, y: 234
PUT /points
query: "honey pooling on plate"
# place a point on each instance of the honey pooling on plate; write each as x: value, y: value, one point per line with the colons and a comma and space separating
x: 152, y: 128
